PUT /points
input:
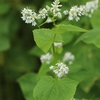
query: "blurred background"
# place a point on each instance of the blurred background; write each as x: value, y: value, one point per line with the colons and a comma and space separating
x: 16, y: 42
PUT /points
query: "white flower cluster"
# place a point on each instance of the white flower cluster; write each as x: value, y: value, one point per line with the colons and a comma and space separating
x: 68, y: 57
x: 30, y: 16
x: 46, y: 58
x: 58, y: 44
x: 60, y: 69
x: 56, y: 8
x: 75, y: 12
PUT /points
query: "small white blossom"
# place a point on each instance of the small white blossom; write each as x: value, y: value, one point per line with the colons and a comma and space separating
x: 68, y: 57
x: 90, y: 7
x: 43, y: 13
x: 55, y: 9
x: 29, y: 16
x: 65, y: 12
x: 49, y: 20
x: 46, y: 58
x: 57, y: 44
x: 60, y: 69
x: 51, y: 67
x: 73, y: 13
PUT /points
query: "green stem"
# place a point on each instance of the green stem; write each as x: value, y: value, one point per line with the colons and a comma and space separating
x: 54, y: 23
x: 53, y: 48
x: 42, y: 24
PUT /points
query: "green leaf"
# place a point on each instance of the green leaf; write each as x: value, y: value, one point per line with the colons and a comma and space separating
x: 95, y: 19
x: 67, y: 37
x: 51, y: 89
x: 27, y: 84
x: 44, y: 38
x: 4, y: 43
x: 93, y: 36
x: 62, y: 28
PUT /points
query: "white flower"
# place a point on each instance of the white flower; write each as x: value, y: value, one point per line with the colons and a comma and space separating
x: 68, y: 57
x: 90, y: 7
x: 46, y: 58
x: 57, y: 44
x: 55, y: 9
x: 29, y: 16
x: 51, y: 67
x: 55, y: 6
x: 60, y: 69
x: 65, y: 12
x: 43, y: 13
x: 73, y: 13
x: 49, y: 20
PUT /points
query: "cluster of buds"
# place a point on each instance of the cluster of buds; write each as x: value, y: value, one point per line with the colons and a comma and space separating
x: 60, y: 69
x: 75, y: 12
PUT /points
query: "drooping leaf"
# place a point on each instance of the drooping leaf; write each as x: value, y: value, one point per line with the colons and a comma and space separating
x: 93, y: 36
x: 27, y: 84
x: 51, y: 89
x: 44, y: 38
x: 62, y: 28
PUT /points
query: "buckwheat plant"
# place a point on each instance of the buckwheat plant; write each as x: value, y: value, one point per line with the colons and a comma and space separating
x: 55, y: 84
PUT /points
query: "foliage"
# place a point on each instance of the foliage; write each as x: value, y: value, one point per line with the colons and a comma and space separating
x: 20, y: 51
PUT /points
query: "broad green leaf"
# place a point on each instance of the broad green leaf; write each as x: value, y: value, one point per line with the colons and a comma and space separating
x: 62, y: 28
x: 93, y: 36
x: 50, y: 89
x: 67, y: 37
x: 27, y: 83
x: 95, y: 19
x: 44, y: 38
x: 4, y: 43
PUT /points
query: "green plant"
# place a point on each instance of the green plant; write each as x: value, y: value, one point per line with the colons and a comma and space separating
x: 57, y: 62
